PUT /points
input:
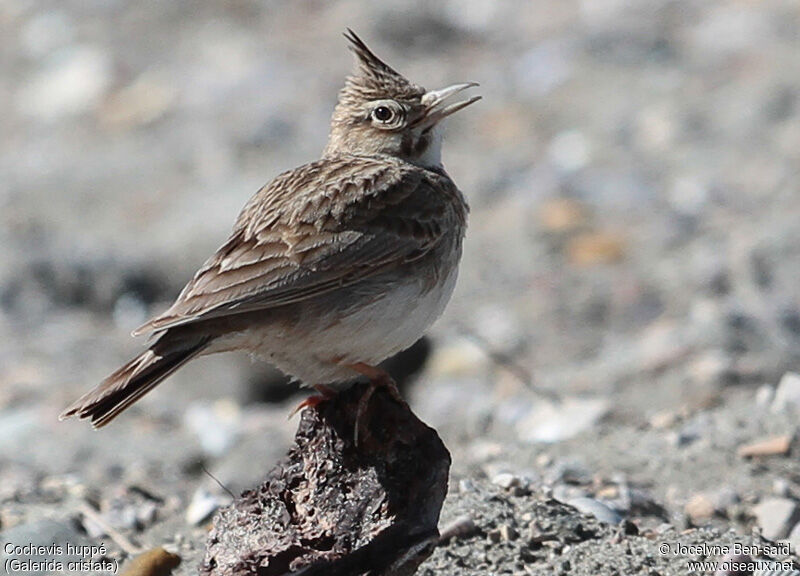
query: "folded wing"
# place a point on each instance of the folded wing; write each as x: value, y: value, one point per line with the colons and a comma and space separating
x: 313, y: 230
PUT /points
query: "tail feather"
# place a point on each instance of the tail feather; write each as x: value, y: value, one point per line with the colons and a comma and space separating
x: 133, y: 380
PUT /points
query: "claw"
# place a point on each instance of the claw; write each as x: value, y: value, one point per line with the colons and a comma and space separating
x: 377, y: 378
x: 324, y: 393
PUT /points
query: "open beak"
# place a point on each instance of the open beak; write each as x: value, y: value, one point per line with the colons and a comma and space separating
x: 434, y: 103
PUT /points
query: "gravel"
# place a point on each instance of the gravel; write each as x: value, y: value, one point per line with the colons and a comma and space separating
x: 625, y: 335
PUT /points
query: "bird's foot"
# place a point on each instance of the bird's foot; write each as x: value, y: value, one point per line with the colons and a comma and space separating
x: 377, y: 379
x: 324, y: 393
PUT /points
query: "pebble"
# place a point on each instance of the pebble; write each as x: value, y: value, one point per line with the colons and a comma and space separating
x: 568, y: 471
x: 765, y: 395
x: 505, y: 480
x: 562, y: 214
x: 595, y: 248
x: 709, y: 367
x: 155, y: 562
x: 656, y: 126
x: 73, y: 81
x: 688, y: 195
x: 700, y: 509
x: 787, y: 395
x: 461, y: 527
x: 457, y: 358
x: 498, y: 326
x: 775, y: 516
x: 147, y: 99
x: 202, y: 506
x: 566, y: 492
x: 570, y: 151
x: 503, y: 533
x: 597, y: 509
x: 781, y: 487
x: 508, y: 533
x: 688, y: 434
x: 550, y: 423
x: 664, y: 419
x: 772, y: 446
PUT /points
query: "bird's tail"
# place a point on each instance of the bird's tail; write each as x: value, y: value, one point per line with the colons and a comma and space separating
x: 135, y: 379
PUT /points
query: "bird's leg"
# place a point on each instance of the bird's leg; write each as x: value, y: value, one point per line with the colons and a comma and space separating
x: 377, y: 378
x: 324, y: 393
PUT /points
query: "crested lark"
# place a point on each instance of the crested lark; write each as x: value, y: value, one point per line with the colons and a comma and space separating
x: 331, y: 267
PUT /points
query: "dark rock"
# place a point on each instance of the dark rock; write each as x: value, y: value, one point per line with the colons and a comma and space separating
x: 335, y: 507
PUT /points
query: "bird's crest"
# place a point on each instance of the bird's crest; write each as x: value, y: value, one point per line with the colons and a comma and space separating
x: 373, y: 79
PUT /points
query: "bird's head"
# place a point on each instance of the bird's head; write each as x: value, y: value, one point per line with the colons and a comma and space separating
x: 381, y: 112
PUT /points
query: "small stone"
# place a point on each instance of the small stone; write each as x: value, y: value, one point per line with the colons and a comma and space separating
x: 772, y: 446
x: 775, y: 516
x: 566, y: 492
x: 700, y: 509
x: 787, y: 395
x: 688, y: 195
x: 764, y: 395
x: 780, y: 487
x: 505, y: 480
x: 569, y: 472
x: 608, y: 492
x: 466, y: 486
x: 155, y: 562
x: 595, y: 248
x: 663, y: 420
x: 597, y: 509
x: 553, y: 423
x: 725, y: 498
x: 462, y: 527
x: 688, y: 434
x: 562, y: 215
x: 456, y: 359
x: 202, y: 506
x: 710, y: 367
x: 656, y: 126
x: 570, y: 151
x: 148, y: 98
x: 72, y: 82
x: 508, y: 533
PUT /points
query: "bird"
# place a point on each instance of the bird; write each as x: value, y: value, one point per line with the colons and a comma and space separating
x: 331, y: 267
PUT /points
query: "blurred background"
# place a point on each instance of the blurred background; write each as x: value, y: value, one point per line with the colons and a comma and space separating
x: 633, y: 248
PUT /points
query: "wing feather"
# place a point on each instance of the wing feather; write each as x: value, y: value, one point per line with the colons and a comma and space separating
x: 315, y: 229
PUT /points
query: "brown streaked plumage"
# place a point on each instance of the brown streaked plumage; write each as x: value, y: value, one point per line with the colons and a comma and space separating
x: 331, y: 267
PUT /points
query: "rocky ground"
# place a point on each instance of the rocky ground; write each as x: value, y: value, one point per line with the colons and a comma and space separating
x: 616, y: 369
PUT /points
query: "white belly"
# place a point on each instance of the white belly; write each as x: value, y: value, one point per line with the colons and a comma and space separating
x: 318, y: 349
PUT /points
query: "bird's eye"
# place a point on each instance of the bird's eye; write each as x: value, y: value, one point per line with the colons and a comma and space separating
x: 382, y: 114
